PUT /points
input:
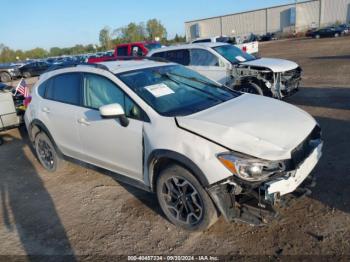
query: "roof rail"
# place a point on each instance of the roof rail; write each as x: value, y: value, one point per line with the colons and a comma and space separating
x: 67, y: 65
x: 103, y: 67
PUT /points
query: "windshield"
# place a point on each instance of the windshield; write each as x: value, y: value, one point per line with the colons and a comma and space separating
x: 233, y: 54
x: 152, y: 46
x: 175, y: 90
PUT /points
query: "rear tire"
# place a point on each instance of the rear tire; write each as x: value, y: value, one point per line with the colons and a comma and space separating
x: 47, y: 154
x: 250, y: 88
x: 336, y: 35
x: 183, y: 199
x: 317, y: 36
x: 5, y: 77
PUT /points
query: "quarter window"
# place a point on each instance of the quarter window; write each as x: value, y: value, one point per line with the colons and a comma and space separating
x: 42, y: 88
x: 64, y: 88
x: 200, y: 57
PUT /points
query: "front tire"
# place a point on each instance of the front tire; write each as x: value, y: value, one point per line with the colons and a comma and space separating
x: 336, y: 35
x: 250, y: 88
x: 317, y: 36
x: 47, y: 153
x: 184, y: 200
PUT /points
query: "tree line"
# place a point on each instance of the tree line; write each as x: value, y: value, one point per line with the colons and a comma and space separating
x: 108, y: 38
x: 152, y: 30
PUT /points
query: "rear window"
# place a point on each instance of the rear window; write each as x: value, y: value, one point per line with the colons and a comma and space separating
x: 202, y: 41
x: 152, y: 46
x: 181, y: 57
x: 65, y: 88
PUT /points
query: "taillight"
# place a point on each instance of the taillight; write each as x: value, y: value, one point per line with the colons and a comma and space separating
x: 244, y: 49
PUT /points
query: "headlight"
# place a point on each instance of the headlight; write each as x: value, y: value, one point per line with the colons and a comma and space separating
x: 250, y: 169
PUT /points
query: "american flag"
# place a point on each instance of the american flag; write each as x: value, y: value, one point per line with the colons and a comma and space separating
x: 22, y: 88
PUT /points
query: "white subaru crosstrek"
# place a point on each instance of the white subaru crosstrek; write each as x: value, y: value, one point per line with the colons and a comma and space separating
x: 204, y: 149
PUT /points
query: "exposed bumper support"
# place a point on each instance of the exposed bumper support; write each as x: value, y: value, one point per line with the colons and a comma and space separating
x: 252, y: 207
x: 259, y: 204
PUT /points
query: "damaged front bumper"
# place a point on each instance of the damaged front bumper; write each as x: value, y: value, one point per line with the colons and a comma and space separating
x: 259, y: 203
x: 286, y: 84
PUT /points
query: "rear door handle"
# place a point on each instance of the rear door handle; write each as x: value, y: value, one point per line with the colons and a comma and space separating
x: 45, y: 109
x: 83, y: 121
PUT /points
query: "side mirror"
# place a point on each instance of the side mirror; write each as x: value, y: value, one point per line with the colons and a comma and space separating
x: 114, y: 111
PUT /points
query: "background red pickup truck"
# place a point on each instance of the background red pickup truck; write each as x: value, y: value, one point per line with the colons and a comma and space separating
x: 131, y: 49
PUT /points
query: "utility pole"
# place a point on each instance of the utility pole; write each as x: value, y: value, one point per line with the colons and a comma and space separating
x: 295, y: 17
x: 320, y: 14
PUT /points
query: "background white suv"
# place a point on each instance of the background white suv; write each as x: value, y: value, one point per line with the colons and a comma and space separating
x: 203, y: 148
x: 231, y: 66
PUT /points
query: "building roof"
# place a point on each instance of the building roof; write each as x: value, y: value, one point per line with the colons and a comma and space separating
x: 249, y: 11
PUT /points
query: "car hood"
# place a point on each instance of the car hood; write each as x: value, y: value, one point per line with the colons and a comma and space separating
x: 254, y: 125
x: 275, y: 64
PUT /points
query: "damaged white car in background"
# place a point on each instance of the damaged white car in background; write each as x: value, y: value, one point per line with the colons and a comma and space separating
x: 203, y: 148
x: 240, y: 71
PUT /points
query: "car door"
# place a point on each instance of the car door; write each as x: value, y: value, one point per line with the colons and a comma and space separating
x: 30, y: 68
x: 106, y: 142
x: 62, y: 96
x: 122, y: 50
x: 34, y: 69
x: 42, y: 67
x: 324, y: 32
x: 209, y: 65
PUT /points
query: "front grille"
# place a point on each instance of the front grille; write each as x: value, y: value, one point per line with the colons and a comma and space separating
x: 302, y: 151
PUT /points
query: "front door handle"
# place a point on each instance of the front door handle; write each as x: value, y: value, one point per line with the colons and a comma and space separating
x: 83, y: 121
x: 45, y: 110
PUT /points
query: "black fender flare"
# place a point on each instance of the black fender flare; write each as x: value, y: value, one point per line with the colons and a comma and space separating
x: 42, y: 128
x: 175, y: 157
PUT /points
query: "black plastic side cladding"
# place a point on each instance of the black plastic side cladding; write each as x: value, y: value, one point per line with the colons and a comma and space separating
x: 180, y: 159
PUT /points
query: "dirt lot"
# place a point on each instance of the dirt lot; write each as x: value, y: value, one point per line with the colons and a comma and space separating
x: 84, y: 212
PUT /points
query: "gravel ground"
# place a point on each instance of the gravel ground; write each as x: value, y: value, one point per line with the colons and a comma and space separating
x: 85, y: 212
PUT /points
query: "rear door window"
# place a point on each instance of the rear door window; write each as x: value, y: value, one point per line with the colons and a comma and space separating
x: 65, y: 88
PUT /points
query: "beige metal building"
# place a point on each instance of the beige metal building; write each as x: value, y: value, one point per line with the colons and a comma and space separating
x: 285, y: 18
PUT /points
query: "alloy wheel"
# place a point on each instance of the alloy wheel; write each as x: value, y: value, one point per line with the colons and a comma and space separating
x: 46, y: 154
x: 182, y: 200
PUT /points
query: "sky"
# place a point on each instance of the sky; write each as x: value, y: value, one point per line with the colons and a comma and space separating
x: 28, y: 24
